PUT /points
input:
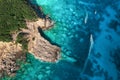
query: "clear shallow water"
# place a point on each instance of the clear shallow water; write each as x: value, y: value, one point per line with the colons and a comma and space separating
x: 88, y: 33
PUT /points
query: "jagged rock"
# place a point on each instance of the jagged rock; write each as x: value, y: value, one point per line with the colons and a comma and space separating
x: 9, y: 53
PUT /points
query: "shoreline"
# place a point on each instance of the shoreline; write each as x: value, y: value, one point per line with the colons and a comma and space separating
x: 37, y: 46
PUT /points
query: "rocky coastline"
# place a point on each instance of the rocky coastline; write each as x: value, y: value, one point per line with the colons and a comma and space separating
x: 37, y: 46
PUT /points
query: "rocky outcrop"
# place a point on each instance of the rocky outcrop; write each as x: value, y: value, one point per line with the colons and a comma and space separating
x: 37, y: 45
x: 9, y: 52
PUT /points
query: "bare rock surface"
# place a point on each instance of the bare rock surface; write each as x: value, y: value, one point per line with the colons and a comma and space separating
x: 9, y: 53
x: 37, y: 45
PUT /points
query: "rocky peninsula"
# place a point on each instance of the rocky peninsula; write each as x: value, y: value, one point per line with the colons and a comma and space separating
x: 11, y: 50
x: 37, y: 46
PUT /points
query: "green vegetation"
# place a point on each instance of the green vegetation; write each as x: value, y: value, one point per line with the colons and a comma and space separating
x: 12, y: 17
x: 13, y: 14
x: 22, y: 40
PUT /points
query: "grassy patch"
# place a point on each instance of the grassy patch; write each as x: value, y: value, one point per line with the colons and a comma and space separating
x: 12, y: 17
x: 22, y: 40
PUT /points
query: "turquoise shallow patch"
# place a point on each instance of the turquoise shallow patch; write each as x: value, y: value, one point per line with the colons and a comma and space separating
x: 75, y: 21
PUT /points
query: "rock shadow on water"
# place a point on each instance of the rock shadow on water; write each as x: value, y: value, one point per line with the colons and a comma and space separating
x: 46, y: 37
x: 37, y: 8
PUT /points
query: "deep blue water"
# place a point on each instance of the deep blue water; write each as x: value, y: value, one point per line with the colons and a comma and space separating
x: 88, y: 33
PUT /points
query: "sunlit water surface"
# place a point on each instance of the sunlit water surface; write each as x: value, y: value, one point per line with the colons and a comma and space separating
x: 88, y: 33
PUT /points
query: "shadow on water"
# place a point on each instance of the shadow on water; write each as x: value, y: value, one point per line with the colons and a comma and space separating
x: 46, y: 37
x: 40, y: 14
x: 37, y: 9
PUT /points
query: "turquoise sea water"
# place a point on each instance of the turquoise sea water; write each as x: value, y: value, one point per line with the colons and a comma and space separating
x: 88, y: 33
